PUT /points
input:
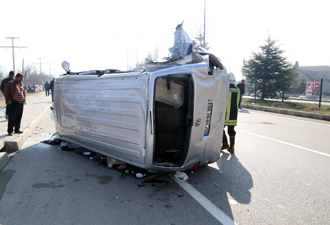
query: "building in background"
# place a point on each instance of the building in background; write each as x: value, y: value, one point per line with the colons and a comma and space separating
x: 312, y: 76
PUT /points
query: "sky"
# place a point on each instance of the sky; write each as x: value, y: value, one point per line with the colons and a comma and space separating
x: 107, y: 34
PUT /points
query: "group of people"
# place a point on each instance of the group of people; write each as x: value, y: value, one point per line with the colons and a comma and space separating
x: 14, y: 93
x: 49, y: 87
x: 235, y: 95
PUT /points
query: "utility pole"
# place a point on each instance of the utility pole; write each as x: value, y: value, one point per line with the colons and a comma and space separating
x: 13, y: 47
x: 40, y: 64
x: 23, y: 72
x: 50, y: 69
x: 204, y: 20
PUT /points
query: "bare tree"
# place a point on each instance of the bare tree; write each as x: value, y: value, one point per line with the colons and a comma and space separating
x: 196, y: 32
x: 148, y: 59
x: 156, y: 52
x: 200, y: 40
x: 33, y: 77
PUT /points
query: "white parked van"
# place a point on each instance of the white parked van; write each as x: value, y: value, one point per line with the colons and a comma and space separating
x: 170, y: 119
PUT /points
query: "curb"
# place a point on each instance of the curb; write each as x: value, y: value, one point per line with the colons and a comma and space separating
x: 3, y: 160
x: 2, y: 144
x: 15, y: 145
x: 289, y: 112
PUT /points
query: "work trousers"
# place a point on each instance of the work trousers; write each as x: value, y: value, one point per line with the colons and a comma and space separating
x: 15, y: 116
x: 231, y: 130
x: 231, y: 133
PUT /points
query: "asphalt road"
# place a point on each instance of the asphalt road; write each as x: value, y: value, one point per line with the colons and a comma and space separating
x: 279, y: 175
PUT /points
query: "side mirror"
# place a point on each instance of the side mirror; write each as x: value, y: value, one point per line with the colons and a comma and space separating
x: 66, y: 66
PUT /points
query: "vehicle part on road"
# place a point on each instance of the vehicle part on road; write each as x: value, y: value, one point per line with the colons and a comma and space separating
x: 181, y: 175
x: 140, y: 175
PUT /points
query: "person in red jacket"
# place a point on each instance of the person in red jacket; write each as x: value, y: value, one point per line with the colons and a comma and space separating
x: 15, y: 98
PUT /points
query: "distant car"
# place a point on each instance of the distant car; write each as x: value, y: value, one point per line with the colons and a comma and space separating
x: 30, y: 89
x: 279, y: 95
x: 39, y: 88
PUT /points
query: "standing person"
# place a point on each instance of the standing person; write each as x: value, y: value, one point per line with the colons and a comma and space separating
x: 231, y: 115
x: 15, y: 98
x: 241, y: 87
x: 3, y: 85
x: 51, y: 87
x: 46, y: 86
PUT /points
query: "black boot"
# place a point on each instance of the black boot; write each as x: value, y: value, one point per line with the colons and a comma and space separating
x: 224, y: 141
x: 232, y: 144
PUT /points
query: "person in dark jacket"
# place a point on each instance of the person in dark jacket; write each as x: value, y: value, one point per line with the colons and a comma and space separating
x: 231, y: 115
x: 241, y: 87
x: 51, y: 87
x: 3, y: 86
x: 46, y: 86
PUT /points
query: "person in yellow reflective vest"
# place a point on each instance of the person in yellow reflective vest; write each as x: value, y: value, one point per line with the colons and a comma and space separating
x: 231, y: 115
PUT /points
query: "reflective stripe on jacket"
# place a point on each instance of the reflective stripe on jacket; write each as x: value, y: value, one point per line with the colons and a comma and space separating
x: 232, y: 107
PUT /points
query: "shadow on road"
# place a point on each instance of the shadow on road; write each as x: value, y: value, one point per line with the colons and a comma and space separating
x: 56, y: 182
x: 226, y: 183
x: 244, y: 111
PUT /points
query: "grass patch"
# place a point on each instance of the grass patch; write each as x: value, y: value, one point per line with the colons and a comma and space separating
x: 296, y: 106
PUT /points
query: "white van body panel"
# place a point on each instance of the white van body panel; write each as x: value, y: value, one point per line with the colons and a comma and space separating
x: 103, y: 113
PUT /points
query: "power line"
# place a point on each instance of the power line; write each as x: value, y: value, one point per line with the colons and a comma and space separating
x: 40, y: 63
x: 13, y: 47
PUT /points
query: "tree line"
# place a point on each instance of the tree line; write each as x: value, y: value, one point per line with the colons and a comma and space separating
x: 31, y: 76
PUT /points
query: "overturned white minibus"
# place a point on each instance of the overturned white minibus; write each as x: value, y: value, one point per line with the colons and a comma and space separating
x: 170, y: 119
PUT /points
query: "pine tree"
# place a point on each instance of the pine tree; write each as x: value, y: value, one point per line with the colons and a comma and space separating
x: 269, y: 70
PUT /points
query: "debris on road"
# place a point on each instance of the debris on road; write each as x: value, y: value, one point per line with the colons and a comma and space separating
x: 181, y: 175
x: 54, y: 140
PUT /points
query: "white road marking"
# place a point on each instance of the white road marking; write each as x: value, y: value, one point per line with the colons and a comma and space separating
x: 283, y: 117
x: 207, y: 204
x: 232, y: 201
x: 286, y: 143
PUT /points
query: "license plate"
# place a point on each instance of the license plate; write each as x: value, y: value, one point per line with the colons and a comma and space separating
x: 208, y: 119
